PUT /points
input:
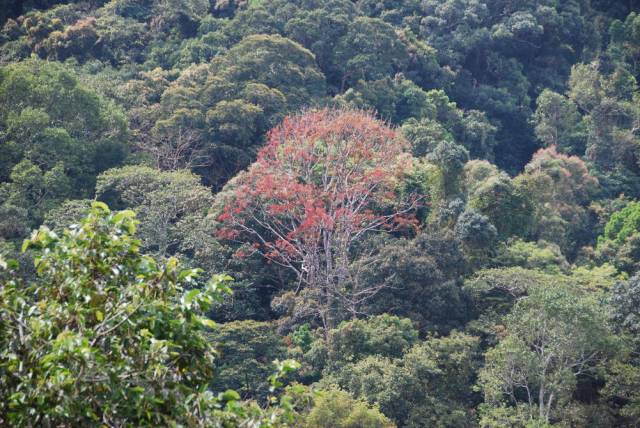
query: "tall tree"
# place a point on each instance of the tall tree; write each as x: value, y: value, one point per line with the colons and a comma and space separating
x: 324, y: 180
x: 214, y: 116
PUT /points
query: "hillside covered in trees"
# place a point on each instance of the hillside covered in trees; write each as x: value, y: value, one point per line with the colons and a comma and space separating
x: 320, y: 213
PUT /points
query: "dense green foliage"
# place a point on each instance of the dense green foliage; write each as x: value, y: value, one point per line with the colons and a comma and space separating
x: 57, y: 135
x: 430, y: 205
x: 106, y: 335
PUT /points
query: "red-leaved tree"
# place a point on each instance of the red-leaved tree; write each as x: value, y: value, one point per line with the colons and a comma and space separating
x: 324, y: 179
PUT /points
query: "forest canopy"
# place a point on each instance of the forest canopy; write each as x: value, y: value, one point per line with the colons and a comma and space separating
x: 305, y: 213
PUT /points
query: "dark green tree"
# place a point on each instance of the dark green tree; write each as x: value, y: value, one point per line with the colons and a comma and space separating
x: 57, y: 135
x: 418, y: 281
x: 248, y: 349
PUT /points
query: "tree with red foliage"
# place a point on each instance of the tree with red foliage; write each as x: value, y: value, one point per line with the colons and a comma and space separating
x: 324, y: 179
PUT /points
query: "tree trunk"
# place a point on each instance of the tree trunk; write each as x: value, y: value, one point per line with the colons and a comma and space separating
x: 541, y: 406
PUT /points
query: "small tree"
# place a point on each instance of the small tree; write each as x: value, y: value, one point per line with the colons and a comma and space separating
x: 557, y: 123
x: 324, y: 179
x: 554, y: 335
x: 336, y: 408
x: 168, y: 203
